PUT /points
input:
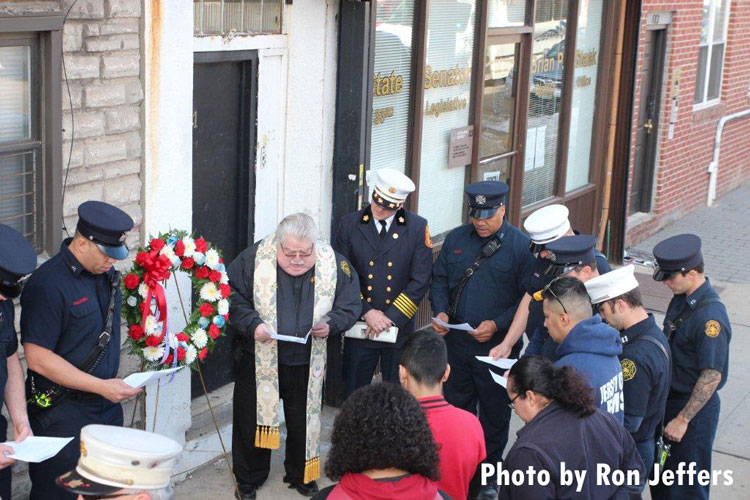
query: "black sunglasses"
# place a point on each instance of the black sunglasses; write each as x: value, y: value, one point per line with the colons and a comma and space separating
x: 554, y: 295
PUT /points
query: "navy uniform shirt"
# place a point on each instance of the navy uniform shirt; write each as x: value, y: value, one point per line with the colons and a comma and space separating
x: 602, y: 264
x: 64, y: 308
x: 645, y: 370
x: 9, y: 346
x: 701, y: 342
x: 394, y: 272
x: 295, y: 301
x: 495, y: 289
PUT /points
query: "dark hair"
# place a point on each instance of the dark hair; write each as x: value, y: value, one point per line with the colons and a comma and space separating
x: 591, y: 264
x: 564, y: 385
x: 570, y: 293
x: 698, y: 268
x: 382, y: 426
x: 631, y: 298
x: 425, y: 357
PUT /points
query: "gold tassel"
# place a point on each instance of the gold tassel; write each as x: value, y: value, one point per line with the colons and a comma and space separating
x: 312, y: 470
x: 267, y: 437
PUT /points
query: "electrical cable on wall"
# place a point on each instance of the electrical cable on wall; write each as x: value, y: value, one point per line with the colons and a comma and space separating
x: 72, y: 125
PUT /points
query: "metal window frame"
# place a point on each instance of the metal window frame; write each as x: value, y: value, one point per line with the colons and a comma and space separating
x: 47, y: 29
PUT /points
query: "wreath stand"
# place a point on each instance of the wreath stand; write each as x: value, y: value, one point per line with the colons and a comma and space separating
x: 208, y: 401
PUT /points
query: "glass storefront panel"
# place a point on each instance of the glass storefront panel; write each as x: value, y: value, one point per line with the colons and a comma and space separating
x: 391, y: 84
x: 588, y: 38
x: 503, y: 13
x: 447, y: 100
x: 545, y: 100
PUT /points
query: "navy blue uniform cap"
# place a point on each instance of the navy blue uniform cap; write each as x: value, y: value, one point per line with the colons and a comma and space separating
x: 676, y: 254
x: 485, y: 197
x: 17, y: 259
x: 106, y: 226
x: 569, y: 252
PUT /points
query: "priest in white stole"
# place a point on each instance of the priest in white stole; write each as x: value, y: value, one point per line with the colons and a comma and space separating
x: 290, y: 284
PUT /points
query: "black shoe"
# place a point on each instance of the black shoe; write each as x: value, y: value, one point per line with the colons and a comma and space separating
x: 487, y: 492
x: 306, y: 489
x: 247, y: 492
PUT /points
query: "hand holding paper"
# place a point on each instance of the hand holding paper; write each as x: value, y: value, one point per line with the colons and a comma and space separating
x: 142, y: 379
x: 463, y: 326
x: 503, y: 363
x: 37, y: 449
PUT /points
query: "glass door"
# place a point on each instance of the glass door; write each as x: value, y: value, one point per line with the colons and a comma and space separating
x: 498, y: 118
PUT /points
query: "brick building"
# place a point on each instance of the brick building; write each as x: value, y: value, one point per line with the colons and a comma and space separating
x: 692, y: 70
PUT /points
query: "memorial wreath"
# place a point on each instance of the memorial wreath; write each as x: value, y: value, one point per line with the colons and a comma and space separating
x: 145, y: 305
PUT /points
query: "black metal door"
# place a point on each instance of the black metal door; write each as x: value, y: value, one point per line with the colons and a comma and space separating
x: 224, y: 109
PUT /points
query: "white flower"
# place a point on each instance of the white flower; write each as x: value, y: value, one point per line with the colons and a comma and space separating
x: 143, y: 290
x: 132, y: 301
x: 212, y: 259
x: 189, y: 246
x: 223, y: 307
x: 151, y: 324
x: 168, y: 251
x: 153, y: 353
x: 199, y: 338
x: 224, y: 278
x: 209, y: 292
x: 190, y: 355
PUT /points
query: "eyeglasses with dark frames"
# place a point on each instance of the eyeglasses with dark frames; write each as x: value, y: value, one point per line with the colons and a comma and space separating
x: 512, y: 405
x: 554, y: 295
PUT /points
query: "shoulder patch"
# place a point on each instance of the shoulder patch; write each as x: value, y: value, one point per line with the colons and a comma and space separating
x: 713, y: 328
x: 628, y: 369
x: 345, y: 268
x: 427, y: 238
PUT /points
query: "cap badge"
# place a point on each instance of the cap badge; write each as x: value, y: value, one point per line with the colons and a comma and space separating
x: 480, y: 199
x: 392, y: 190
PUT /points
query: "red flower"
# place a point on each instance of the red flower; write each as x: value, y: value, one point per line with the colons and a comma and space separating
x: 168, y: 361
x: 225, y: 291
x: 202, y: 272
x: 136, y: 332
x: 214, y: 276
x: 141, y: 258
x: 206, y: 309
x: 131, y: 281
x: 180, y: 354
x: 157, y: 244
x: 179, y: 248
x: 188, y: 263
x: 201, y: 245
x: 182, y: 337
x: 226, y: 317
x: 153, y: 341
x: 145, y: 308
x: 202, y: 355
x: 214, y: 331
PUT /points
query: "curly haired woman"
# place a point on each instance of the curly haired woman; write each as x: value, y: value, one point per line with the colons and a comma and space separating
x: 382, y: 448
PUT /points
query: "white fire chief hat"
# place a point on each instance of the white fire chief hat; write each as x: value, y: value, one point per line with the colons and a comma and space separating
x: 391, y: 188
x: 612, y: 284
x: 115, y: 458
x: 547, y: 224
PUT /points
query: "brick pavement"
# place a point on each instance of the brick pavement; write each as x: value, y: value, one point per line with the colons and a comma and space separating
x: 725, y: 225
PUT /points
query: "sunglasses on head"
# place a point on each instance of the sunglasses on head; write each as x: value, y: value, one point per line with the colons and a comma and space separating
x: 554, y: 295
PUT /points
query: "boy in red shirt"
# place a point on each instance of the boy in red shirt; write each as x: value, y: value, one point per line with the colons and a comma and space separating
x: 423, y: 370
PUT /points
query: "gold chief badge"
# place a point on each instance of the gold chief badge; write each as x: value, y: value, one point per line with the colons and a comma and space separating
x: 628, y: 369
x: 713, y: 328
x: 346, y: 269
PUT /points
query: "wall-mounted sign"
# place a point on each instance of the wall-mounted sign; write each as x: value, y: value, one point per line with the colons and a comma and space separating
x: 658, y: 18
x: 461, y: 142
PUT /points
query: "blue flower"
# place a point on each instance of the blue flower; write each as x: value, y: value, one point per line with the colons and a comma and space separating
x: 203, y: 323
x: 172, y: 240
x: 199, y: 258
x: 221, y: 268
x: 219, y: 321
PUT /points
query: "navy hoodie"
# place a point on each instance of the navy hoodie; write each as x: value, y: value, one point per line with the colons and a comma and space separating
x: 592, y: 348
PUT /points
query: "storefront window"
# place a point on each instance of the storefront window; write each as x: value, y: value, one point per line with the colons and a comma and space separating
x: 545, y: 100
x: 447, y: 99
x: 503, y: 13
x: 588, y: 39
x: 391, y: 84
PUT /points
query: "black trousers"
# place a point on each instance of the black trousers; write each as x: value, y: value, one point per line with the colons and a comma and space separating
x: 471, y: 388
x: 66, y: 419
x: 5, y: 474
x: 361, y: 359
x: 251, y: 464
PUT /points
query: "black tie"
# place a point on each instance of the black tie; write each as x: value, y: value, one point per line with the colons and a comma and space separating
x: 383, y: 229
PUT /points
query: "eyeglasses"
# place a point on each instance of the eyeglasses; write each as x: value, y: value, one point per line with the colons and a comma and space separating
x: 512, y: 405
x: 101, y: 497
x: 297, y: 254
x: 549, y: 289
